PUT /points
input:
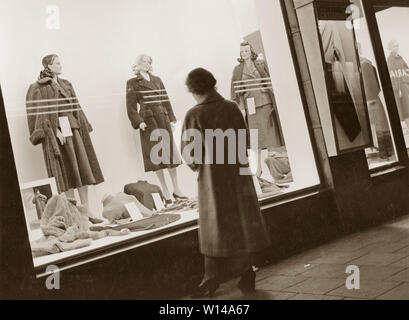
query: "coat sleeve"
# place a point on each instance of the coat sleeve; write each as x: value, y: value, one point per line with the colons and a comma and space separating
x: 34, y: 117
x: 237, y: 97
x: 83, y: 117
x: 168, y: 105
x: 132, y: 105
x: 191, y: 134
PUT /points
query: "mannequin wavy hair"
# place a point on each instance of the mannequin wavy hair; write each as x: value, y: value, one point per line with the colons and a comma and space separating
x: 254, y: 54
x: 136, y: 65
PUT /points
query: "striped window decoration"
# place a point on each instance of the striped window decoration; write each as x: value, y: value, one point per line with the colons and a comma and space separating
x: 249, y: 85
x: 51, y: 112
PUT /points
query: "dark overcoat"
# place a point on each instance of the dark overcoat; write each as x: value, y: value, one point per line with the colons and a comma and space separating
x: 229, y: 214
x: 45, y: 103
x: 157, y: 112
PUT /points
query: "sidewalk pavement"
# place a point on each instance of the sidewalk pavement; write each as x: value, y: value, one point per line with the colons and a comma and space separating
x: 382, y: 255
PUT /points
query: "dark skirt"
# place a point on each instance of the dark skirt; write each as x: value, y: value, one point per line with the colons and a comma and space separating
x: 266, y: 122
x: 157, y: 118
x: 76, y: 163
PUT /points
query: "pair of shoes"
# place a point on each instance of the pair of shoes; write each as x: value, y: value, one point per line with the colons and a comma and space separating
x: 179, y: 197
x: 247, y: 283
x: 206, y: 289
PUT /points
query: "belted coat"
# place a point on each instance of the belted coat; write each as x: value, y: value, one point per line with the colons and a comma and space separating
x: 156, y: 111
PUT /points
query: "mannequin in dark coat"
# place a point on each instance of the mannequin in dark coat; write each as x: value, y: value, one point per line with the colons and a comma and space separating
x: 230, y: 221
x: 148, y: 91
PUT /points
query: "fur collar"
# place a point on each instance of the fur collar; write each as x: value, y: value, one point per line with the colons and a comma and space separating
x: 44, y: 80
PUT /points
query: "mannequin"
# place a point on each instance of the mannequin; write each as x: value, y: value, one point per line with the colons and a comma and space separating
x: 156, y: 112
x: 63, y: 131
x: 376, y: 109
x: 264, y: 118
x: 399, y: 72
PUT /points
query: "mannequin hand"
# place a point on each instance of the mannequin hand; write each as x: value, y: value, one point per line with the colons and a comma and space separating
x: 244, y: 113
x: 173, y: 125
x: 60, y: 137
x: 142, y: 126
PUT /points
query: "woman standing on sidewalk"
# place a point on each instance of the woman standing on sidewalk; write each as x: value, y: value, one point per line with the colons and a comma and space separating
x: 231, y: 225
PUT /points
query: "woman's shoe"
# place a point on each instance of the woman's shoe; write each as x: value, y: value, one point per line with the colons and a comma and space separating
x: 247, y: 283
x: 206, y: 289
x: 168, y: 201
x: 179, y: 197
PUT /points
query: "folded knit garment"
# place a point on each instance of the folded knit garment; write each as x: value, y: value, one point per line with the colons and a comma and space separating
x: 49, y: 245
x: 143, y: 191
x: 65, y: 227
x: 279, y: 168
x: 181, y: 205
x: 61, y: 213
x: 114, y: 207
x: 143, y: 224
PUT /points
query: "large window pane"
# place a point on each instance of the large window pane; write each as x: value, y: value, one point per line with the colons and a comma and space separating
x: 392, y: 22
x: 355, y: 94
x: 383, y: 150
x: 97, y: 43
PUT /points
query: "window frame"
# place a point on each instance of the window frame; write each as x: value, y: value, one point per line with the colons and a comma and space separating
x: 391, y: 107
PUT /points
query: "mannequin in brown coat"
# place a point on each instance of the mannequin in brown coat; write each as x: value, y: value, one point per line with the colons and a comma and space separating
x: 71, y: 160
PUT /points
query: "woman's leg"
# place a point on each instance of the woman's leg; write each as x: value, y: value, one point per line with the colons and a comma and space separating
x: 259, y: 171
x: 211, y: 278
x: 247, y: 282
x: 212, y: 268
x: 83, y: 192
x: 162, y: 181
x: 174, y: 178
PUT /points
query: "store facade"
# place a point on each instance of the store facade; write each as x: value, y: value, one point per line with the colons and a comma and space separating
x: 337, y: 115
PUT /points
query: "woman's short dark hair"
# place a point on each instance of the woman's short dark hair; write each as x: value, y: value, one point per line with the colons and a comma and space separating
x: 200, y: 81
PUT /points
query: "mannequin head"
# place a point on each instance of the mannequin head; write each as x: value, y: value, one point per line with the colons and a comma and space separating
x: 393, y: 47
x: 200, y: 84
x: 247, y: 52
x: 143, y: 63
x: 52, y: 66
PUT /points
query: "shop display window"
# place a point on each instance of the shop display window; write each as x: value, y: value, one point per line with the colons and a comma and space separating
x: 392, y: 23
x: 84, y: 83
x: 357, y: 102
